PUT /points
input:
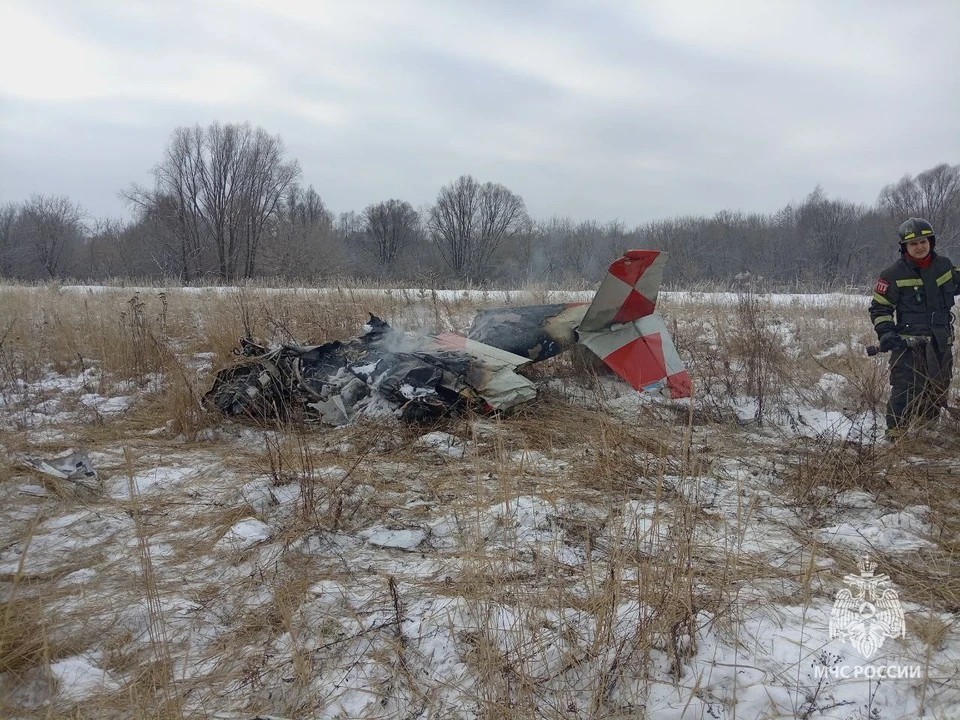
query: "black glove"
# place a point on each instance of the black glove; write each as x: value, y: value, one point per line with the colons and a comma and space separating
x: 891, y: 341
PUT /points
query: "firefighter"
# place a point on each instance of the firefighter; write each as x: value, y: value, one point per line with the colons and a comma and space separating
x: 911, y: 314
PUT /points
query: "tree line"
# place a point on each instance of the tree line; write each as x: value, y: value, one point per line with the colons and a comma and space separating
x: 226, y: 204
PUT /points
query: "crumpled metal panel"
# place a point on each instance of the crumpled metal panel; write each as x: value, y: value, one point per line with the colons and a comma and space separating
x: 74, y: 465
x: 536, y: 332
x: 492, y: 371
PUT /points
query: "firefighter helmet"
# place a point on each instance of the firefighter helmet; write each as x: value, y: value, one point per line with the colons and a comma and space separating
x: 916, y: 229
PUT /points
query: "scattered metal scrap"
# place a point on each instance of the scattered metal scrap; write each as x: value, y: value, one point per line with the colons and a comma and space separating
x: 420, y: 377
x: 73, y: 465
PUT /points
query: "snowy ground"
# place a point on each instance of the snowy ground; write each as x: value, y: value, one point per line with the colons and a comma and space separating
x: 491, y: 297
x: 590, y: 556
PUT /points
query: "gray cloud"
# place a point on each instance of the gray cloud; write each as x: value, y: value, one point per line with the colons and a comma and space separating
x: 605, y: 110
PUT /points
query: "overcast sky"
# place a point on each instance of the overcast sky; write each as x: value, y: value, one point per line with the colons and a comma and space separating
x: 605, y: 109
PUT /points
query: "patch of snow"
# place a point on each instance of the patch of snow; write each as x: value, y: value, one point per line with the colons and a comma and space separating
x: 245, y: 534
x: 367, y: 369
x: 48, y: 407
x: 78, y: 678
x: 410, y: 392
x: 533, y: 460
x: 405, y: 539
x: 702, y: 492
x: 331, y: 473
x: 60, y: 542
x: 46, y: 436
x: 856, y: 499
x: 443, y: 443
x: 106, y: 405
x: 832, y: 383
x: 33, y: 490
x: 895, y: 532
x: 643, y: 526
x: 864, y: 428
x: 838, y: 349
x: 29, y: 419
x: 158, y: 479
x: 80, y: 577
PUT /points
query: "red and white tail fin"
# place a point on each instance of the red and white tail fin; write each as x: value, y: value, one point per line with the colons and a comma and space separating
x: 623, y: 328
x: 628, y: 291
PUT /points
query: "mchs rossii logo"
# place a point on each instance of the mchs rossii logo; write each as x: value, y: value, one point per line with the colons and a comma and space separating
x: 867, y: 612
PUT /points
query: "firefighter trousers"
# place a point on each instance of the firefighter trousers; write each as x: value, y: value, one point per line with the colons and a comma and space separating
x: 919, y: 380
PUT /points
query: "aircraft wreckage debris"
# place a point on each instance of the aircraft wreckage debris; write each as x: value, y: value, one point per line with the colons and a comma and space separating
x: 421, y: 377
x: 73, y: 465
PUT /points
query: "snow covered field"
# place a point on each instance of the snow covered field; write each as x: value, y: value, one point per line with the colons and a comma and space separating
x: 485, y: 297
x: 597, y: 554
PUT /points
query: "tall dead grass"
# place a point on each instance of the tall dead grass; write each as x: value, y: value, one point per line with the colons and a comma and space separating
x: 581, y: 626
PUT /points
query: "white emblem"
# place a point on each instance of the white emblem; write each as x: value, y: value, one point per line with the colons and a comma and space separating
x: 869, y: 614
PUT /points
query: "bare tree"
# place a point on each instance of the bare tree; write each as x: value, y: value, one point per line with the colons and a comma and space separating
x: 933, y: 195
x: 349, y: 225
x: 581, y: 245
x: 389, y: 228
x: 303, y: 239
x: 267, y: 178
x: 305, y: 208
x: 692, y: 257
x: 48, y: 229
x: 8, y: 216
x: 217, y: 189
x: 831, y: 230
x: 120, y: 248
x: 544, y: 254
x: 470, y: 221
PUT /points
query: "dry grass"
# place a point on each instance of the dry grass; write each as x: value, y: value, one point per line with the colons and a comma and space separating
x: 633, y: 560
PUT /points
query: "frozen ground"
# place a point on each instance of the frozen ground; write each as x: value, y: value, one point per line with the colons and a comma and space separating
x: 591, y: 556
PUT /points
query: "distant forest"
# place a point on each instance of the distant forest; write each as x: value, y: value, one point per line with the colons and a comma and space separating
x: 226, y: 205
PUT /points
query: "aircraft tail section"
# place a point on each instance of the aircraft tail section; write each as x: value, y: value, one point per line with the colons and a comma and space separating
x: 621, y: 325
x: 629, y: 290
x: 623, y: 328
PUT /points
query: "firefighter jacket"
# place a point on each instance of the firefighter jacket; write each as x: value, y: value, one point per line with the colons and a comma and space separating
x: 915, y: 301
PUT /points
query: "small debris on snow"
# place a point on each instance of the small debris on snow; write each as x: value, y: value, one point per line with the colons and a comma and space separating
x: 74, y: 465
x: 33, y: 490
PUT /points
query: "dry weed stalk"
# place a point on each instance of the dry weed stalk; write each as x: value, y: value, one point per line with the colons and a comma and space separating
x: 23, y: 642
x: 159, y: 671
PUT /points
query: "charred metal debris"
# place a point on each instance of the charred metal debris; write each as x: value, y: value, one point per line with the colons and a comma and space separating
x: 382, y: 372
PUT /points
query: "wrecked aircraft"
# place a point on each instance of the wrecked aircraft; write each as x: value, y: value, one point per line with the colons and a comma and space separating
x: 386, y: 371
